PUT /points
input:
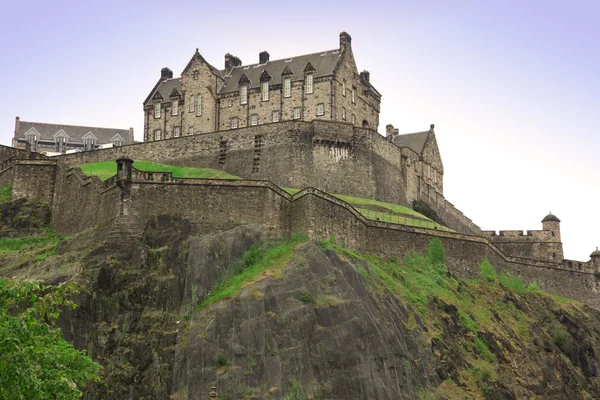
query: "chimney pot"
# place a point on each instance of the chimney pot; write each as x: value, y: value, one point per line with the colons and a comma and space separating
x: 365, y: 76
x: 345, y: 41
x: 166, y: 73
x: 263, y: 57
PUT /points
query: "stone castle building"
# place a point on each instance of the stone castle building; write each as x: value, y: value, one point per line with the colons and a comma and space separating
x: 59, y: 138
x: 319, y: 86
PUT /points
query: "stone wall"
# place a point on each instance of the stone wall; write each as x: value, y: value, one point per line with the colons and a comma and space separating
x: 33, y: 180
x: 81, y: 202
x: 7, y: 152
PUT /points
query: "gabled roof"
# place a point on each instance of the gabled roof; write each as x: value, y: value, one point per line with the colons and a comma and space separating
x: 74, y: 133
x: 414, y: 141
x: 323, y: 64
x: 198, y: 56
x: 164, y: 89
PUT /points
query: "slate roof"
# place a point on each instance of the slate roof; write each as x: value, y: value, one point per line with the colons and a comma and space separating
x: 165, y: 88
x: 551, y: 217
x: 75, y: 134
x: 323, y: 62
x: 414, y: 141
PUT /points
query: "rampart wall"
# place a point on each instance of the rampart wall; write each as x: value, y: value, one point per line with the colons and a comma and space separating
x: 7, y: 152
x: 33, y: 180
x: 537, y: 244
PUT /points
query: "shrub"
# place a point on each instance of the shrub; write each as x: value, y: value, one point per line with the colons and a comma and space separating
x: 305, y: 297
x: 435, y: 252
x: 487, y: 271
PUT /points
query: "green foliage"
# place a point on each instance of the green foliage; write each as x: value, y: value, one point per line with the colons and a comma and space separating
x: 487, y: 271
x: 560, y: 336
x: 467, y: 322
x: 513, y: 283
x: 222, y: 361
x: 5, y: 193
x: 35, y: 361
x: 294, y: 392
x: 305, y: 296
x: 483, y: 350
x: 107, y: 169
x: 269, y: 256
x: 435, y: 252
x: 50, y: 240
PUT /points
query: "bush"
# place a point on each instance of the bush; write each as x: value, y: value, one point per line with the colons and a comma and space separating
x: 435, y: 252
x: 487, y: 271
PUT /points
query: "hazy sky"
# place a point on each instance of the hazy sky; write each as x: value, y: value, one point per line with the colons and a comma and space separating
x: 513, y: 87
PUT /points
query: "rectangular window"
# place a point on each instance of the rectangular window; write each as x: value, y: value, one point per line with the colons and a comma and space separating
x: 199, y: 109
x: 32, y: 141
x: 175, y: 107
x: 275, y: 116
x: 157, y: 110
x: 244, y: 94
x: 254, y: 119
x: 265, y: 91
x: 344, y: 88
x: 309, y: 83
x: 117, y: 143
x: 60, y: 143
x: 234, y: 123
x: 191, y: 131
x: 320, y: 109
x: 352, y: 93
x: 353, y: 119
x: 176, y: 131
x: 344, y: 113
x: 296, y: 112
x: 156, y: 136
x: 287, y: 87
x: 191, y: 102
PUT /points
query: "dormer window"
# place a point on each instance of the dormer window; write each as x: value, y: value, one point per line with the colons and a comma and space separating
x: 157, y: 110
x: 89, y: 144
x: 287, y: 87
x: 244, y: 94
x: 175, y: 107
x: 265, y: 91
x: 32, y: 139
x: 60, y: 142
x: 309, y: 84
x: 117, y: 143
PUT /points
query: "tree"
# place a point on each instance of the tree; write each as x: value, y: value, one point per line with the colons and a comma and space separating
x: 35, y: 361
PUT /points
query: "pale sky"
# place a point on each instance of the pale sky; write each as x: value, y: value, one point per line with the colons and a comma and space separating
x: 512, y: 87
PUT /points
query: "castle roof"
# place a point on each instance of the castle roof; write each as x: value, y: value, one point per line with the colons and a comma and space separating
x: 595, y: 253
x: 550, y: 218
x: 323, y: 63
x: 414, y: 141
x: 164, y: 89
x: 73, y: 133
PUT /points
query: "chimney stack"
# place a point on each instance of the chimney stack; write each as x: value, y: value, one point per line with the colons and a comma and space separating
x: 263, y: 57
x: 131, y: 141
x: 365, y: 76
x: 17, y: 129
x: 345, y: 41
x: 231, y: 61
x: 389, y: 131
x: 165, y: 74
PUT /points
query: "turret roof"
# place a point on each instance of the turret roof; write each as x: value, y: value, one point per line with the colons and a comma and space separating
x: 551, y: 218
x: 595, y: 253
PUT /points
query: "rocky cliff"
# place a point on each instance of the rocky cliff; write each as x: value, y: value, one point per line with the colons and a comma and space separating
x: 171, y: 313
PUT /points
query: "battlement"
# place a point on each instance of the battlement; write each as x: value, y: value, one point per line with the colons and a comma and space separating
x: 518, y: 235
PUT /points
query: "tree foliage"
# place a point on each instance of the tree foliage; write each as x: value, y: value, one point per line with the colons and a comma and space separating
x: 35, y: 361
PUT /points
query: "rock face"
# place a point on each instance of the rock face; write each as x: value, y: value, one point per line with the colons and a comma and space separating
x: 319, y: 324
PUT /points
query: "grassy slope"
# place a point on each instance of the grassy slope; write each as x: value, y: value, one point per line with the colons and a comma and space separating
x: 106, y: 169
x: 5, y: 192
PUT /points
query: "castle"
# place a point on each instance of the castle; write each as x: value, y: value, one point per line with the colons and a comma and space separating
x: 321, y: 154
x: 324, y: 85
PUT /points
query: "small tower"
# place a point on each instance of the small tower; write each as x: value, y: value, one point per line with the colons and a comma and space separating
x: 124, y: 167
x: 595, y: 260
x: 551, y: 224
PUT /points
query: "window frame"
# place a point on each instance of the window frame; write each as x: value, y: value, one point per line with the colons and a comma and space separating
x: 176, y: 131
x: 287, y: 87
x: 309, y: 84
x: 344, y: 88
x: 253, y: 119
x: 264, y: 87
x: 244, y: 94
x: 191, y: 100
x: 233, y: 123
x: 275, y: 116
x: 320, y: 109
x: 344, y: 116
x: 199, y: 105
x: 157, y: 135
x: 297, y: 113
x: 157, y: 110
x: 353, y: 96
x: 175, y: 107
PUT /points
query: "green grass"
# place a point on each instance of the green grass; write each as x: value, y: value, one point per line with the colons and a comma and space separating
x: 5, y: 192
x: 107, y: 169
x: 48, y: 243
x: 256, y: 264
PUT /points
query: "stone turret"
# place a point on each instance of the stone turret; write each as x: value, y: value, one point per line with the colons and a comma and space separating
x: 551, y: 224
x: 595, y: 260
x: 124, y: 168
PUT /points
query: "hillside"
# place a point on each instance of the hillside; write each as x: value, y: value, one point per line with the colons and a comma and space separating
x: 170, y: 313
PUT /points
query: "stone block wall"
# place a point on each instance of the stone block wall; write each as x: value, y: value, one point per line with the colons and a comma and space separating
x: 7, y: 152
x: 34, y: 180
